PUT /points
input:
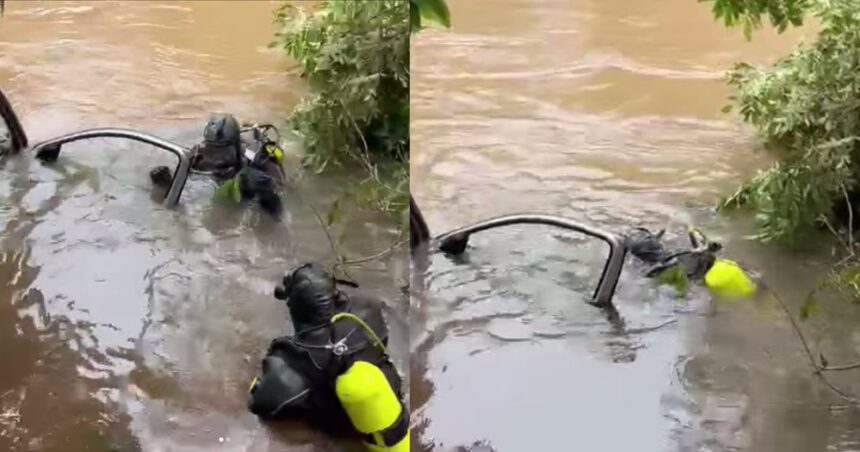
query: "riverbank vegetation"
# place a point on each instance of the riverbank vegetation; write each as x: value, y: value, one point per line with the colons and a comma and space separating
x: 807, y: 108
x: 355, y: 58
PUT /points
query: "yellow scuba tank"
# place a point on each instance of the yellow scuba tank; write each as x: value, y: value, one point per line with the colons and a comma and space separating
x: 373, y: 408
x: 728, y: 280
x: 371, y: 403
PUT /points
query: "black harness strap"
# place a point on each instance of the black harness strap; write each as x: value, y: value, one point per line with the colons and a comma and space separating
x: 393, y: 434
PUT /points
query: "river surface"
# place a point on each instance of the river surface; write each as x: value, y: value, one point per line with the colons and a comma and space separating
x: 124, y: 325
x: 607, y: 112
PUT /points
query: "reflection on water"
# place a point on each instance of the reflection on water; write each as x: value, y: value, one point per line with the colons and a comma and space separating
x: 127, y: 326
x: 607, y: 112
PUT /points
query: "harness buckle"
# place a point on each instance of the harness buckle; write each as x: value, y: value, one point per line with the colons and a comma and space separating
x: 340, y: 349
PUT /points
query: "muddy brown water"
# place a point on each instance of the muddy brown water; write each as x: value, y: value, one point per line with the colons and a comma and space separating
x: 124, y: 325
x: 608, y: 112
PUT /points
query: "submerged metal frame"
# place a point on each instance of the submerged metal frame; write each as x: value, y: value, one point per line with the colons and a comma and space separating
x: 49, y: 150
x: 16, y: 131
x: 454, y: 242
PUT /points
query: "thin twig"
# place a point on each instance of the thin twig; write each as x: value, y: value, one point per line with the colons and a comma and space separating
x: 325, y: 229
x: 815, y: 365
x: 837, y: 368
x: 798, y: 333
x: 840, y: 392
x: 850, y: 220
x: 366, y: 159
x: 649, y: 329
x: 377, y: 255
x: 844, y: 260
x: 835, y: 234
x: 340, y: 260
x: 337, y: 256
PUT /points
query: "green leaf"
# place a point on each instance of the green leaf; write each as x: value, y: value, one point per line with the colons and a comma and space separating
x: 229, y: 190
x: 435, y: 11
x: 727, y: 109
x: 414, y: 16
x: 810, y: 307
x: 237, y: 194
x: 676, y: 277
x: 334, y: 213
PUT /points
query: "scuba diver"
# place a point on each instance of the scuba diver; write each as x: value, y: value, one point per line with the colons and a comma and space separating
x: 246, y: 168
x: 698, y: 263
x: 334, y: 372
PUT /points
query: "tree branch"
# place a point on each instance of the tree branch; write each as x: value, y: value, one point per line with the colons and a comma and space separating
x: 850, y: 220
x: 340, y: 260
x: 838, y: 368
x: 378, y: 255
x: 817, y: 368
x: 833, y: 231
x: 327, y: 234
x: 366, y: 159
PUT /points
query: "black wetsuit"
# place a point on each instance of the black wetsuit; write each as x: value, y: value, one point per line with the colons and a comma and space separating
x: 649, y: 248
x: 221, y: 155
x: 299, y: 371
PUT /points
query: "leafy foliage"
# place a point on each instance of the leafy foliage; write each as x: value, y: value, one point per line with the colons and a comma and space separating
x: 229, y: 190
x: 675, y: 277
x: 434, y: 11
x: 749, y: 13
x: 847, y: 282
x: 807, y: 106
x: 355, y: 56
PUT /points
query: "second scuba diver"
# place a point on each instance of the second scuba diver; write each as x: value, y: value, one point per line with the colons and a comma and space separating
x: 246, y: 168
x: 699, y: 263
x: 334, y: 371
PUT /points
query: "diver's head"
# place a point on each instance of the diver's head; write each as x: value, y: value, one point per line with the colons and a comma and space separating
x: 221, y: 144
x: 311, y: 294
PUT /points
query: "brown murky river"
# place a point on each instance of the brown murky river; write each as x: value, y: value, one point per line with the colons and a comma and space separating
x: 126, y: 326
x: 608, y: 112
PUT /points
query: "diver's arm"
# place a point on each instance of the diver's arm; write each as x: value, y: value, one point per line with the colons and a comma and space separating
x: 279, y: 392
x: 224, y: 171
x: 258, y: 183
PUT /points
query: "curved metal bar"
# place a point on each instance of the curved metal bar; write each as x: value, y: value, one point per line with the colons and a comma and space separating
x: 455, y: 242
x: 50, y: 149
x: 16, y: 131
x: 419, y: 232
